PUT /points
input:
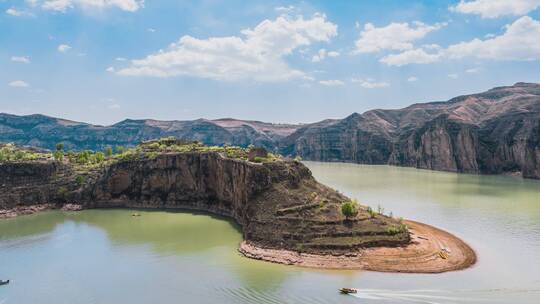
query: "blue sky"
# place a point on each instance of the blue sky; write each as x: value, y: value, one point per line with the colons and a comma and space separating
x: 102, y: 61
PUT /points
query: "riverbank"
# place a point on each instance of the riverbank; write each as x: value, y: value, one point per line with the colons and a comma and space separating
x: 27, y: 210
x: 431, y: 251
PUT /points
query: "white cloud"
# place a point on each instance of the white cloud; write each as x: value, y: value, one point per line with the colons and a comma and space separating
x: 370, y: 83
x: 418, y: 56
x: 151, y: 30
x: 258, y: 54
x: 284, y: 9
x: 18, y: 84
x: 332, y: 82
x: 322, y: 54
x: 496, y: 8
x: 21, y: 59
x: 333, y: 54
x: 453, y: 76
x: 120, y: 59
x: 18, y: 13
x: 63, y: 48
x: 472, y: 70
x: 395, y: 36
x: 110, y: 69
x: 114, y: 106
x: 519, y: 42
x: 64, y: 5
x: 412, y: 79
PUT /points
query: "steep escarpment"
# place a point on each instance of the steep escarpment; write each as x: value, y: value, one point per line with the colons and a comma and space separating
x: 492, y: 132
x: 278, y: 203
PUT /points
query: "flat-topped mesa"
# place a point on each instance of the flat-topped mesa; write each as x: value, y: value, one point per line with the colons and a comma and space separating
x: 276, y: 201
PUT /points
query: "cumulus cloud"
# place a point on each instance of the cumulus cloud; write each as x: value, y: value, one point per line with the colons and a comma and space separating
x: 20, y: 59
x: 496, y: 8
x: 520, y: 41
x: 412, y: 79
x: 18, y: 84
x: 110, y: 69
x: 395, y: 36
x: 453, y: 76
x: 418, y: 56
x: 332, y: 82
x: 18, y: 13
x: 472, y: 70
x: 257, y: 54
x: 63, y: 48
x: 64, y: 5
x: 370, y: 83
x: 284, y: 9
x: 322, y: 54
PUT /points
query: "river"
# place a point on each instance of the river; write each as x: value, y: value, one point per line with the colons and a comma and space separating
x: 108, y: 256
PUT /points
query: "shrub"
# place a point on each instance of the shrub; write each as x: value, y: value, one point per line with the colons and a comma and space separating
x: 372, y: 213
x: 99, y: 157
x: 298, y: 158
x: 120, y: 149
x: 396, y: 229
x: 60, y: 146
x: 108, y: 151
x: 258, y: 159
x: 80, y: 179
x: 349, y: 209
x: 58, y: 155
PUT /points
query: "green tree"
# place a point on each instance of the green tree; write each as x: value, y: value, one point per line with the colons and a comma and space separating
x: 60, y: 146
x: 99, y: 157
x: 58, y: 155
x: 120, y: 149
x: 349, y: 209
x: 108, y: 151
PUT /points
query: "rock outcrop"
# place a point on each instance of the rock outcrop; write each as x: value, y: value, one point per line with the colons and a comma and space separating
x: 277, y: 203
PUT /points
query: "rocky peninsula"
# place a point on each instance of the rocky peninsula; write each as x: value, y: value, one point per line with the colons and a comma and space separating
x: 285, y: 214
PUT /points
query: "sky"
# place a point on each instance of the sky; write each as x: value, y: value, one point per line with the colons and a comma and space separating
x: 102, y: 61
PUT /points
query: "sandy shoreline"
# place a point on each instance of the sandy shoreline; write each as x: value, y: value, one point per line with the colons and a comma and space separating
x: 421, y: 256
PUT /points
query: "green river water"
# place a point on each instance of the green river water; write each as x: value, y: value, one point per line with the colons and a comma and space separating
x: 107, y: 256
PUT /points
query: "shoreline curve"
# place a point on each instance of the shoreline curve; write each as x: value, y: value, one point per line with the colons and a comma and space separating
x: 422, y: 255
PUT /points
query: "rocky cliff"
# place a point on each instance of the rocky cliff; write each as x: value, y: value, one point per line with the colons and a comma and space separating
x: 494, y: 132
x: 278, y: 203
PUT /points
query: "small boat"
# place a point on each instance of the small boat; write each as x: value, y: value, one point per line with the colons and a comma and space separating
x: 4, y: 282
x: 135, y: 214
x: 348, y: 290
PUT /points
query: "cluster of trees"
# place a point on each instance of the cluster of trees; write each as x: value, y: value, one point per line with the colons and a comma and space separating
x: 9, y: 152
x: 86, y: 156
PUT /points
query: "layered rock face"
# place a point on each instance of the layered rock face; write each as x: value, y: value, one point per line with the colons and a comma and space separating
x: 278, y: 204
x: 493, y: 132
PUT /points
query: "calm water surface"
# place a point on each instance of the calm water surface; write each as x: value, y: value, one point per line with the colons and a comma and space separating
x: 107, y: 256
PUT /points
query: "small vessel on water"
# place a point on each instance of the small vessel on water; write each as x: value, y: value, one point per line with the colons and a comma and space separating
x: 4, y: 282
x: 135, y: 214
x: 348, y: 290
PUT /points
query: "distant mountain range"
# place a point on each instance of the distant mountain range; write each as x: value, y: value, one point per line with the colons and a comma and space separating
x: 494, y: 132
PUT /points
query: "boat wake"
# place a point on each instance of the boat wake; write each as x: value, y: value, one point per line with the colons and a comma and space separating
x: 436, y: 296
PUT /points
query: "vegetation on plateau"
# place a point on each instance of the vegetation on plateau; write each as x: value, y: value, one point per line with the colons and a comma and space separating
x: 150, y: 149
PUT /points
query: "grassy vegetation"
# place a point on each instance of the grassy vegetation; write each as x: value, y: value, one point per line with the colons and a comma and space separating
x: 10, y: 152
x: 150, y: 150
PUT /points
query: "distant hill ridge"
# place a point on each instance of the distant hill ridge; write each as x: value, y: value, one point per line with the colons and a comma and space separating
x: 497, y: 131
